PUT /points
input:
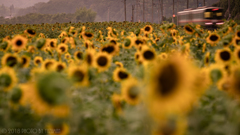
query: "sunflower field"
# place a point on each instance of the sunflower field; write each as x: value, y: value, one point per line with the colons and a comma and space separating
x: 119, y: 78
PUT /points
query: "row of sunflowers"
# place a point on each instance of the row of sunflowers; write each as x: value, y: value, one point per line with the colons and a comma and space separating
x: 119, y: 78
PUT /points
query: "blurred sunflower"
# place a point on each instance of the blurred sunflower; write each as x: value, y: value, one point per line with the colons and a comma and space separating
x: 58, y: 129
x: 117, y: 101
x: 128, y: 43
x: 24, y: 61
x: 148, y: 54
x: 10, y: 60
x: 120, y: 74
x: 131, y: 91
x: 79, y: 75
x: 78, y: 55
x: 237, y: 54
x: 59, y: 66
x: 38, y: 60
x: 169, y: 82
x: 223, y: 56
x: 163, y: 56
x: 207, y: 59
x: 119, y: 64
x: 30, y: 32
x: 236, y: 41
x: 4, y: 46
x: 67, y: 56
x: 62, y: 48
x: 87, y: 35
x: 213, y: 39
x: 111, y: 49
x: 102, y: 61
x: 48, y: 64
x: 52, y: 43
x: 188, y: 29
x: 148, y: 29
x: 7, y: 78
x: 19, y: 42
x: 89, y: 57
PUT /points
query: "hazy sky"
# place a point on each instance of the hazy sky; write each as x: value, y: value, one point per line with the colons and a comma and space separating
x: 21, y: 3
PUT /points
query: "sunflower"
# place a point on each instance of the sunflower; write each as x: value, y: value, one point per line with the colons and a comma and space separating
x: 236, y: 41
x: 148, y: 29
x: 58, y: 129
x: 170, y: 126
x: 213, y: 39
x: 78, y: 55
x: 4, y: 46
x: 79, y: 75
x: 131, y: 91
x: 137, y: 56
x: 119, y: 64
x: 25, y: 60
x: 111, y: 49
x: 87, y: 35
x: 216, y: 73
x: 102, y: 61
x: 88, y: 44
x: 237, y: 54
x: 223, y: 56
x: 31, y: 49
x: 65, y: 40
x: 48, y: 64
x: 138, y: 42
x: 62, y: 48
x: 188, y: 29
x: 38, y: 60
x: 67, y: 56
x: 120, y: 74
x: 237, y: 34
x: 10, y: 60
x: 148, y: 54
x: 117, y: 102
x: 30, y: 32
x: 7, y: 78
x: 52, y: 43
x: 168, y: 83
x: 89, y: 57
x: 19, y: 42
x: 163, y: 56
x: 128, y: 43
x: 59, y: 66
x: 207, y: 59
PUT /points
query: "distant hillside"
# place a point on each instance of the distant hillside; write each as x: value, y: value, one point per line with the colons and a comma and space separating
x: 116, y: 8
x: 20, y: 3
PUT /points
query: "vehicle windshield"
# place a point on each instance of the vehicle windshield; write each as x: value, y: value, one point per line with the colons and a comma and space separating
x: 213, y: 14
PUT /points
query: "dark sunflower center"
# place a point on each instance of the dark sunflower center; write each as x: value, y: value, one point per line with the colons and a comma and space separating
x: 147, y: 28
x: 238, y: 33
x: 167, y: 80
x: 48, y: 65
x: 11, y: 61
x: 60, y: 68
x: 213, y: 38
x: 237, y: 41
x: 62, y: 49
x: 102, y: 61
x: 19, y: 43
x: 138, y: 42
x: 38, y: 61
x: 58, y: 129
x: 78, y: 76
x: 207, y: 60
x: 225, y: 55
x: 133, y: 92
x: 149, y: 55
x: 188, y: 29
x: 86, y: 45
x: 31, y: 32
x: 73, y: 33
x: 108, y: 49
x: 63, y: 41
x: 137, y: 56
x: 122, y: 75
x: 89, y: 59
x: 24, y: 61
x: 79, y: 55
x: 225, y: 43
x: 52, y: 44
x: 238, y: 54
x: 113, y: 41
x: 5, y: 80
x: 88, y: 35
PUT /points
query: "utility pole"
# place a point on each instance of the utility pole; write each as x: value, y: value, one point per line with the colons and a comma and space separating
x: 143, y: 11
x: 197, y: 3
x: 132, y: 13
x: 108, y: 15
x: 204, y: 3
x: 125, y: 12
x: 229, y: 13
x: 162, y: 9
x: 152, y: 11
x: 136, y: 9
x: 177, y: 11
x: 173, y: 13
x: 187, y: 3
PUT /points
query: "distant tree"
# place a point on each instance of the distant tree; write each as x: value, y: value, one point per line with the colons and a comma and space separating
x: 85, y: 15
